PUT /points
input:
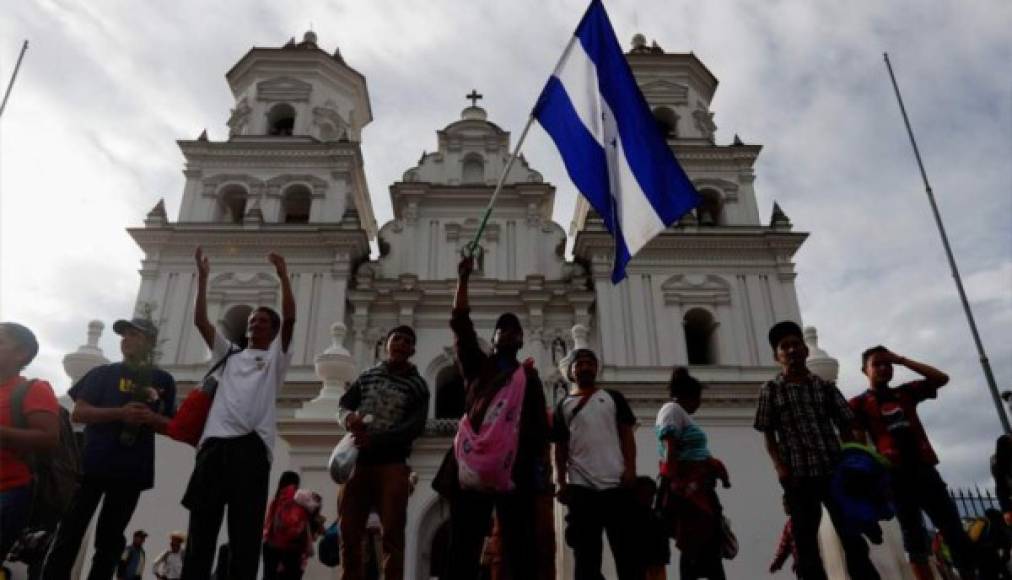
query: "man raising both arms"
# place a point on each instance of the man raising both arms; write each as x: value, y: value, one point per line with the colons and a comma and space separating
x: 234, y: 454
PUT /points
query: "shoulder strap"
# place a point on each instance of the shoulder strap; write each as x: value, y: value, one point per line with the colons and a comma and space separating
x: 221, y: 362
x: 584, y: 399
x: 18, y: 404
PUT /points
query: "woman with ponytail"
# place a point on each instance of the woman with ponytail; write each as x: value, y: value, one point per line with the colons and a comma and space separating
x: 689, y: 475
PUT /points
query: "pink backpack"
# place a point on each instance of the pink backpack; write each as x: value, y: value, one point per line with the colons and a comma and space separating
x: 485, y: 458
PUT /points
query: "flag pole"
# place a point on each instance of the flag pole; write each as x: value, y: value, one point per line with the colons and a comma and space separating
x: 3, y: 105
x: 14, y: 75
x: 473, y: 244
x: 988, y: 374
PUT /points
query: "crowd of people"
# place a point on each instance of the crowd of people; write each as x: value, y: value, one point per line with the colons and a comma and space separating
x: 513, y: 457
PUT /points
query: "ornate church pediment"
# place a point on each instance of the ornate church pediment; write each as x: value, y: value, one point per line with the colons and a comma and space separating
x: 244, y: 287
x: 331, y: 125
x: 244, y: 281
x: 283, y: 89
x: 277, y: 183
x: 728, y: 189
x: 696, y: 289
x: 213, y: 183
x: 665, y: 92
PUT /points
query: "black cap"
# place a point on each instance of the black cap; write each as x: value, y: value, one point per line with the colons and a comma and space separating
x: 140, y: 533
x: 578, y: 354
x: 403, y: 329
x: 144, y: 325
x: 508, y: 320
x: 782, y: 330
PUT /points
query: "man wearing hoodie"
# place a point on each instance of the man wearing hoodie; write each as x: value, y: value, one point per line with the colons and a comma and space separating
x: 397, y: 399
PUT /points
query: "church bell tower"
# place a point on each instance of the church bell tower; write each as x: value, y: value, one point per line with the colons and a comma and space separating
x: 288, y: 178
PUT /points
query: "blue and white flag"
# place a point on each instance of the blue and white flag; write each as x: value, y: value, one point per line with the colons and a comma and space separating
x: 610, y: 143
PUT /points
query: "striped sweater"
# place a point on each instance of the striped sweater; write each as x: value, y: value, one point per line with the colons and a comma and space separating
x: 399, y: 404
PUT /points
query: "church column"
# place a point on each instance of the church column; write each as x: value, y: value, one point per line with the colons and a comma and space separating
x: 360, y: 301
x: 727, y: 353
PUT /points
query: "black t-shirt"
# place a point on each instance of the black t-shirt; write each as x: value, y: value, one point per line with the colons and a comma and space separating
x: 105, y: 454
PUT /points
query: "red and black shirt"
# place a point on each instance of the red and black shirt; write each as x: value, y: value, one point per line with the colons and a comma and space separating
x: 889, y: 416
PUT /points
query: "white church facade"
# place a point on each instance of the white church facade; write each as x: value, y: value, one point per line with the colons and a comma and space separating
x: 290, y: 178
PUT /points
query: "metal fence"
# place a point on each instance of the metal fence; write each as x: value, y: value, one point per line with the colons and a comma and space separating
x: 973, y: 502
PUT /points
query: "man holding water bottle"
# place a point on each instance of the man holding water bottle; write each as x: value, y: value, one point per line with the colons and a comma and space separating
x: 396, y: 400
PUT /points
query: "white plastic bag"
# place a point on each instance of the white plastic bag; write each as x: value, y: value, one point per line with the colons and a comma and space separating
x: 343, y: 458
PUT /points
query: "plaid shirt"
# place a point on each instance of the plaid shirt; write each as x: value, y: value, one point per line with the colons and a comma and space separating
x: 802, y: 417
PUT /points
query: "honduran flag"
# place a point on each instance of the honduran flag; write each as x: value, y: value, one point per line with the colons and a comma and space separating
x: 610, y: 143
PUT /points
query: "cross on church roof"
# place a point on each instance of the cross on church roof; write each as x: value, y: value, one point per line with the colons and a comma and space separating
x: 474, y: 96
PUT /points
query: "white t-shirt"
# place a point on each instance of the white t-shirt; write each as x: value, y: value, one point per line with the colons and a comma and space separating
x: 674, y: 421
x: 169, y: 564
x: 595, y: 450
x: 248, y: 384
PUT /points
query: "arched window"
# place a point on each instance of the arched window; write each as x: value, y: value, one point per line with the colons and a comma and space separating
x: 449, y: 393
x: 474, y: 169
x: 235, y: 322
x: 232, y: 204
x: 667, y: 120
x: 700, y: 337
x: 711, y: 208
x: 281, y: 119
x: 295, y: 205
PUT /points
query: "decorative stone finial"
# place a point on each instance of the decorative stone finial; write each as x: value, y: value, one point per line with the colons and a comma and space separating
x: 202, y: 136
x: 819, y: 362
x: 335, y: 367
x: 779, y: 219
x: 737, y: 141
x: 474, y: 112
x: 639, y: 41
x: 156, y: 217
x: 87, y: 356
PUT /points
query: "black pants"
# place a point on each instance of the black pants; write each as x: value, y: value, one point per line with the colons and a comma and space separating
x: 610, y: 511
x: 230, y: 473
x: 290, y: 563
x: 920, y: 488
x: 707, y: 563
x: 470, y: 522
x: 119, y: 499
x: 805, y: 498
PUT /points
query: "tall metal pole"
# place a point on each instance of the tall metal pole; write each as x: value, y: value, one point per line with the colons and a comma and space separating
x: 3, y: 105
x: 14, y: 75
x: 952, y: 261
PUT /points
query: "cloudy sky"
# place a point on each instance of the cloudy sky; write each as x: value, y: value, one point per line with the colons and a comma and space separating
x: 87, y: 147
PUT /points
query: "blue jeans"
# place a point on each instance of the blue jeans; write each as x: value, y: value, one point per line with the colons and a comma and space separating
x: 15, y: 507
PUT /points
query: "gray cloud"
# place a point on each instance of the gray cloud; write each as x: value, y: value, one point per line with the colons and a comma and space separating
x: 88, y: 147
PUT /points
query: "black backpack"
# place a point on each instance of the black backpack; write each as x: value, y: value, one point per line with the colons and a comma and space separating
x: 56, y: 473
